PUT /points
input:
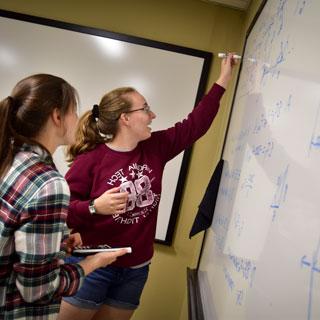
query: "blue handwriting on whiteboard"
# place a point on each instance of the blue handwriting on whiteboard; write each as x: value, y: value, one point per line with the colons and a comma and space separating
x: 273, y: 70
x: 233, y: 174
x: 264, y: 150
x: 239, y: 297
x: 238, y: 224
x: 247, y: 184
x: 300, y: 6
x: 227, y: 193
x: 219, y: 240
x: 246, y: 267
x: 281, y: 192
x: 280, y: 14
x: 315, y: 137
x: 260, y: 123
x: 314, y: 268
x: 228, y: 278
x: 221, y: 221
x: 280, y: 107
x: 273, y: 113
x: 240, y: 139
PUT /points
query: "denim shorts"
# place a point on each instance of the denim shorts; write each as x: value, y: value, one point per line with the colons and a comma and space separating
x: 114, y: 286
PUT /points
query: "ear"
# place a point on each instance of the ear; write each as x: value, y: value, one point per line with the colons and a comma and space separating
x: 56, y: 117
x: 124, y: 118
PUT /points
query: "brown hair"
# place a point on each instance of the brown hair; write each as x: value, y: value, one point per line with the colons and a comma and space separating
x: 24, y: 113
x: 92, y: 131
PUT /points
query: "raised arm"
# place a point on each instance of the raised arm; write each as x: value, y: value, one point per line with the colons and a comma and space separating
x: 183, y: 134
x: 226, y: 71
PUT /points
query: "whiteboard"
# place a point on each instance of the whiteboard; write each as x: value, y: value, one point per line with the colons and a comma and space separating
x: 95, y: 61
x: 260, y: 258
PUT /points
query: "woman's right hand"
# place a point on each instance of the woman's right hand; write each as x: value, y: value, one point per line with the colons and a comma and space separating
x: 227, y: 65
x: 111, y: 202
x: 100, y: 260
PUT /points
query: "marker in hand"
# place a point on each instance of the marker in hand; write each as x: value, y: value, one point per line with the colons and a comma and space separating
x: 225, y: 55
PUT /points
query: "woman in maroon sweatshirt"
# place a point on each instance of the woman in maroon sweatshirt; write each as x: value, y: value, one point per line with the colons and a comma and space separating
x: 115, y: 183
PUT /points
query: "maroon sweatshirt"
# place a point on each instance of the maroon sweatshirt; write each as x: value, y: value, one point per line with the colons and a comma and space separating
x: 139, y: 172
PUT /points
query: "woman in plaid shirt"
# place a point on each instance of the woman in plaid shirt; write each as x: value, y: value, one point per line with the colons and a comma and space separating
x: 39, y: 116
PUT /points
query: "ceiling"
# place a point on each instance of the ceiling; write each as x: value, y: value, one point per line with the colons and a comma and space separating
x: 236, y: 4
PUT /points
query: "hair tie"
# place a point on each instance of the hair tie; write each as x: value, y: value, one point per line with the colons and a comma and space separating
x: 11, y: 99
x: 95, y: 111
x: 13, y: 104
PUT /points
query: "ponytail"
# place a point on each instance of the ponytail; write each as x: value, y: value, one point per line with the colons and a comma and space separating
x: 6, y: 135
x: 100, y: 124
x: 10, y: 139
x: 87, y: 136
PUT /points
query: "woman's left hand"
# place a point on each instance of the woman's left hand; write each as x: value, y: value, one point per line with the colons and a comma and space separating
x: 74, y: 240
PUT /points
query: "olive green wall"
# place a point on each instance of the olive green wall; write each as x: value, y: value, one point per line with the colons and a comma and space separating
x: 191, y: 23
x: 251, y: 12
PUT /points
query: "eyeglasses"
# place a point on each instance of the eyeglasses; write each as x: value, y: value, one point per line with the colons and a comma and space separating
x: 146, y: 109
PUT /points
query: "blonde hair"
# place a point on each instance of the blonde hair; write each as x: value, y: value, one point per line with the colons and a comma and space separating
x: 92, y: 131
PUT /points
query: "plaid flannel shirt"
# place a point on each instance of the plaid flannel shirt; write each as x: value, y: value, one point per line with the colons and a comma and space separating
x: 33, y: 210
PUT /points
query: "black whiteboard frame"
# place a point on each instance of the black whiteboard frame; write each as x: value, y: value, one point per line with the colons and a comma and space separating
x: 207, y: 59
x: 195, y: 299
x: 195, y: 309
